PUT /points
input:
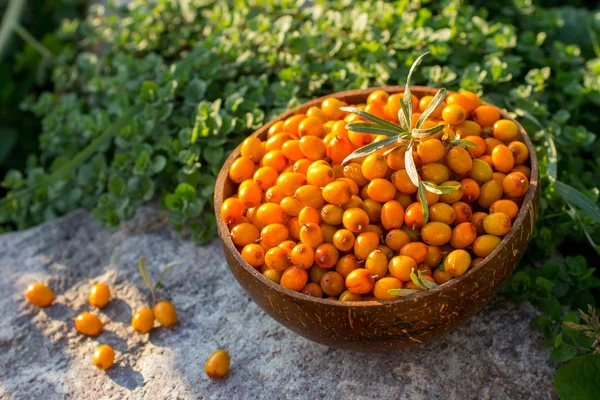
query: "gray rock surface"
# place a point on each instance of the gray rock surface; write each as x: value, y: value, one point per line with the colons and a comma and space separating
x: 494, y: 356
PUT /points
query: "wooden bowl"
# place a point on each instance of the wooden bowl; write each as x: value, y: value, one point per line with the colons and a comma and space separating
x: 377, y: 326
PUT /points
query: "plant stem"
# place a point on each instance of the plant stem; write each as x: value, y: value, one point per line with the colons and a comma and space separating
x: 11, y: 18
x: 33, y: 42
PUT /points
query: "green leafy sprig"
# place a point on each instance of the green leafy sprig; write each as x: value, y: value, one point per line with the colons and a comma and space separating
x: 143, y: 268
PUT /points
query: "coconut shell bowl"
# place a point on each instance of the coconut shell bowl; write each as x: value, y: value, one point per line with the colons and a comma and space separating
x: 378, y: 326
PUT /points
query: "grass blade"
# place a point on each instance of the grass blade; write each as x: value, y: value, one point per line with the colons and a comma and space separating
x: 162, y: 274
x: 433, y: 104
x: 370, y: 148
x: 572, y: 195
x: 146, y: 275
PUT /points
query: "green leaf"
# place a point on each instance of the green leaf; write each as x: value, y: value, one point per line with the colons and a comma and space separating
x: 370, y: 148
x: 148, y: 91
x: 403, y: 292
x: 185, y: 190
x: 368, y: 127
x: 8, y: 139
x: 572, y: 195
x: 407, y: 93
x: 464, y: 143
x: 562, y: 353
x: 374, y: 118
x: 12, y: 15
x: 213, y: 155
x: 162, y: 274
x: 117, y: 185
x: 404, y: 116
x: 433, y: 104
x: 409, y: 162
x: 146, y: 275
x: 423, y: 201
x: 423, y: 133
x: 439, y: 189
x: 415, y: 279
x: 426, y: 282
x: 579, y: 379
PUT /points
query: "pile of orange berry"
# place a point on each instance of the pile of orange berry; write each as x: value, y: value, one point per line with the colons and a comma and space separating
x: 354, y: 231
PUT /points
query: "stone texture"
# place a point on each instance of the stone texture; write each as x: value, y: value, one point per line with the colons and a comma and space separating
x: 494, y: 356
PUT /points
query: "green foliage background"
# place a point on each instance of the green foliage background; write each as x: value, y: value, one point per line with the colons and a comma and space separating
x: 204, y: 74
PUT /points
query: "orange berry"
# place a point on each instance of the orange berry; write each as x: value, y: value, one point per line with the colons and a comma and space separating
x: 457, y: 262
x: 442, y: 212
x: 308, y: 215
x: 252, y: 148
x: 384, y: 285
x: 232, y: 211
x: 275, y: 129
x: 484, y: 245
x: 519, y: 151
x: 343, y: 240
x: 104, y: 357
x: 515, y: 184
x: 373, y: 209
x: 434, y: 256
x: 254, y: 254
x: 320, y: 175
x: 316, y: 112
x: 311, y: 235
x: 353, y: 186
x: 355, y: 220
x: 278, y: 259
x: 374, y: 166
x: 346, y: 264
x: 378, y: 97
x: 506, y: 130
x: 360, y: 281
x: 460, y: 100
x: 291, y: 149
x: 277, y: 141
x: 265, y: 177
x: 273, y: 234
x: 294, y: 278
x: 463, y: 235
x: 497, y: 224
x: 490, y: 145
x: 468, y: 128
x: 489, y: 193
x: 401, y: 266
x: 275, y: 159
x: 301, y: 166
x: 436, y: 233
x: 337, y: 192
x: 392, y: 215
x: 165, y: 313
x: 507, y: 207
x: 452, y: 197
x: 364, y: 244
x: 431, y: 151
x: 434, y: 172
x: 463, y: 212
x: 339, y: 148
x: 309, y: 195
x: 292, y: 123
x: 353, y: 171
x: 217, y: 365
x: 470, y: 190
x: 39, y: 295
x: 332, y: 283
x: 396, y: 158
x: 377, y: 264
x: 477, y: 220
x: 473, y: 99
x: 302, y: 256
x: 312, y: 147
x: 99, y: 295
x: 413, y: 216
x: 376, y: 109
x: 275, y: 194
x: 402, y: 182
x: 311, y: 126
x: 250, y: 194
x: 381, y: 190
x: 481, y: 171
x: 486, y: 115
x: 416, y: 250
x: 503, y: 158
x: 424, y: 102
x: 396, y: 239
x: 241, y: 169
x: 244, y: 234
x: 360, y: 139
x: 453, y: 114
x: 477, y: 141
x: 331, y: 109
x: 88, y: 324
x: 290, y: 205
x: 326, y: 255
x: 271, y: 213
x: 459, y: 160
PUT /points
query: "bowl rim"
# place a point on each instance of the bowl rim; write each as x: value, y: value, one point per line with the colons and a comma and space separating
x: 223, y: 230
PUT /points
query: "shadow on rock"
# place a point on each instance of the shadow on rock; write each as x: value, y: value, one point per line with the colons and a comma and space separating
x: 113, y: 340
x: 125, y: 377
x: 60, y: 312
x: 119, y: 311
x: 169, y: 337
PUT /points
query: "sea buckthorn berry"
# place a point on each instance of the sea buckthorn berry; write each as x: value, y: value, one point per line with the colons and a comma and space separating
x: 355, y: 202
x: 165, y: 313
x: 277, y: 141
x: 278, y: 259
x: 413, y: 216
x: 459, y: 160
x: 424, y: 102
x: 241, y: 169
x: 436, y: 233
x: 434, y: 172
x: 377, y: 264
x: 291, y: 206
x: 486, y: 157
x: 312, y: 289
x: 431, y: 151
x: 497, y: 224
x: 360, y: 139
x: 463, y: 212
x: 339, y: 148
x: 232, y: 210
x: 392, y: 215
x: 506, y: 130
x: 474, y: 100
x: 416, y: 250
x: 311, y: 126
x: 425, y: 269
x: 88, y: 324
x: 453, y: 114
x: 402, y: 181
x: 313, y: 148
x: 291, y: 149
x: 346, y: 264
x: 39, y: 295
x: 292, y: 123
x: 490, y: 145
x: 381, y: 190
x: 308, y: 215
x: 374, y: 166
x: 442, y: 212
x: 434, y: 256
x: 265, y: 177
x: 376, y: 109
x: 309, y: 195
x: 486, y: 115
x: 463, y: 235
x: 104, y: 357
x: 373, y: 209
x: 294, y: 278
x: 452, y: 197
x: 479, y: 148
x: 503, y: 158
x: 457, y: 262
x: 384, y: 285
x: 275, y: 129
x: 515, y: 184
x: 339, y: 129
x: 470, y: 190
x: 332, y: 283
x: 316, y: 112
x: 327, y: 255
x: 332, y: 214
x: 320, y: 175
x: 519, y: 151
x: 337, y: 192
x: 360, y: 281
x: 498, y: 177
x: 378, y: 97
x: 252, y: 148
x: 271, y: 213
x: 460, y: 100
x: 353, y: 186
x: 301, y: 166
x: 343, y: 240
x: 364, y: 244
x: 507, y: 207
x: 294, y: 228
x: 273, y: 234
x: 316, y: 273
x: 275, y: 159
x: 328, y: 232
x: 353, y: 171
x: 396, y: 158
x: 250, y: 194
x: 217, y: 365
x: 244, y: 234
x: 355, y: 220
x: 328, y: 126
x: 254, y: 255
x: 490, y: 192
x: 401, y: 266
x: 396, y: 238
x: 312, y: 235
x: 476, y: 261
x: 468, y: 128
x: 272, y: 275
x: 99, y: 295
x: 275, y: 194
x: 485, y: 244
x: 331, y: 109
x: 524, y: 169
x: 404, y: 199
x: 441, y: 277
x: 481, y: 171
x: 477, y: 221
x: 349, y: 296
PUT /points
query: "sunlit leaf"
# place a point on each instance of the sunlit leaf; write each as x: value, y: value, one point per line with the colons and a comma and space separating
x: 433, y: 104
x: 423, y: 201
x: 572, y: 195
x: 373, y: 118
x: 411, y: 168
x: 423, y: 133
x: 370, y: 148
x: 437, y: 189
x: 368, y: 127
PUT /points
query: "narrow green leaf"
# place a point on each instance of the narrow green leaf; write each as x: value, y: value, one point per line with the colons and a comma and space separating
x: 464, y: 143
x: 433, y: 188
x: 404, y: 116
x: 146, y: 275
x: 407, y: 93
x: 162, y: 274
x: 426, y: 282
x: 572, y: 195
x: 551, y: 153
x: 433, y: 104
x: 423, y: 133
x: 415, y: 279
x: 12, y: 14
x: 370, y: 148
x: 402, y: 292
x: 409, y: 161
x: 373, y: 118
x: 368, y: 127
x: 423, y: 201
